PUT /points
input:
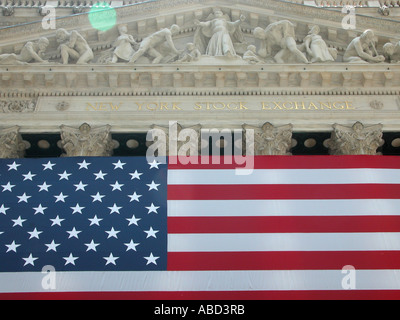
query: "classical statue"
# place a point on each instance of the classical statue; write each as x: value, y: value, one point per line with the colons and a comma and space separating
x: 191, y: 53
x: 392, y: 52
x: 279, y: 35
x: 123, y: 45
x: 86, y: 141
x: 151, y: 45
x: 362, y: 49
x: 355, y: 140
x: 217, y: 35
x: 31, y: 52
x: 270, y: 140
x: 251, y: 55
x: 73, y: 46
x: 316, y: 47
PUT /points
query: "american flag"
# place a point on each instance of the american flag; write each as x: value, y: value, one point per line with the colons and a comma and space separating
x: 127, y: 228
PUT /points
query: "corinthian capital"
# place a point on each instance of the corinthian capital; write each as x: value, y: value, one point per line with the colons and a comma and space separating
x: 86, y: 141
x: 11, y: 144
x: 270, y: 140
x: 356, y: 140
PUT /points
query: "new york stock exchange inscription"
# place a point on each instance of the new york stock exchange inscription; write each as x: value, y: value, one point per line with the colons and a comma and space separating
x: 162, y: 106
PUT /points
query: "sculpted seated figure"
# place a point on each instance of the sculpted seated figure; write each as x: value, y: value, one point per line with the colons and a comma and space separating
x: 317, y: 48
x: 362, y: 49
x: 31, y: 52
x: 392, y: 52
x: 73, y: 46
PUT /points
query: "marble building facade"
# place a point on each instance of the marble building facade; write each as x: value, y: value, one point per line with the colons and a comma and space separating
x: 86, y: 82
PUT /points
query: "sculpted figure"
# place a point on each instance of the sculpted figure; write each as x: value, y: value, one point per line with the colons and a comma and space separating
x: 73, y: 46
x: 190, y: 54
x: 215, y: 37
x: 356, y: 140
x: 316, y: 46
x: 251, y: 55
x: 392, y: 52
x: 362, y: 49
x: 86, y: 141
x: 31, y: 52
x: 279, y: 34
x: 151, y: 44
x: 123, y: 45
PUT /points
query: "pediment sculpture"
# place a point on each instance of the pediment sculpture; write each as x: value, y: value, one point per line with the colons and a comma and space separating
x: 216, y: 36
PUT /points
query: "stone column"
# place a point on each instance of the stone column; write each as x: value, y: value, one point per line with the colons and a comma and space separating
x: 11, y: 144
x: 270, y: 140
x: 178, y: 140
x: 86, y: 141
x: 355, y: 140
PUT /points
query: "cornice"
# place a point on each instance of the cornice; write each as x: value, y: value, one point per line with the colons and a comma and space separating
x: 188, y: 79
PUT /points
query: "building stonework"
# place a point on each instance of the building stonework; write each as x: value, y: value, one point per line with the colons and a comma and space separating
x: 268, y: 66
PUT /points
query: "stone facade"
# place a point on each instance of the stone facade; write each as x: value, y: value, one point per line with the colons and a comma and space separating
x: 248, y: 65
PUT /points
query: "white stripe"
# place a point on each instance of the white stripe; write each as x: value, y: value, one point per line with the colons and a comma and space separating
x: 243, y: 242
x: 232, y: 208
x: 284, y: 176
x: 152, y: 281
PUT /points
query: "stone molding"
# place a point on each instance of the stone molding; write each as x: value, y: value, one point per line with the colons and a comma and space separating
x: 11, y: 143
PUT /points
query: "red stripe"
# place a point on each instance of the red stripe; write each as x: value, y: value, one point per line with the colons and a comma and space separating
x: 214, y: 295
x: 307, y: 224
x: 283, y: 192
x: 283, y: 260
x: 285, y: 162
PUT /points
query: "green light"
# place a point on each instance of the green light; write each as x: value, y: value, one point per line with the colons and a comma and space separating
x: 102, y: 17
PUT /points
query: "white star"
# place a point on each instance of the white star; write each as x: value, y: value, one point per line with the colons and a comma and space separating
x: 152, y: 208
x: 92, y: 246
x: 13, y: 166
x: 60, y: 197
x: 39, y: 209
x: 112, y: 233
x: 133, y: 220
x: 23, y: 198
x: 153, y: 186
x: 56, y: 221
x: 95, y: 221
x: 3, y: 209
x: 30, y: 260
x: 44, y: 187
x: 116, y: 186
x: 35, y: 233
x: 151, y: 259
x: 12, y: 247
x: 77, y: 209
x: 135, y: 197
x: 83, y: 165
x: 64, y: 175
x: 52, y: 246
x: 136, y: 175
x: 154, y: 164
x: 100, y: 175
x: 131, y: 245
x: 114, y: 209
x: 111, y: 259
x: 70, y: 260
x: 18, y: 222
x: 73, y: 233
x: 48, y: 166
x: 97, y: 197
x: 8, y: 187
x: 151, y: 233
x: 80, y: 186
x: 119, y: 165
x: 29, y: 176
